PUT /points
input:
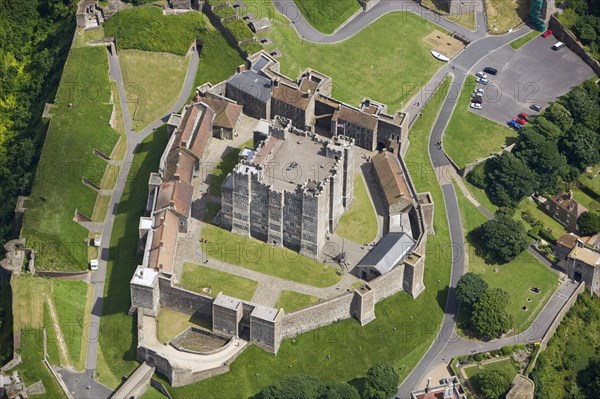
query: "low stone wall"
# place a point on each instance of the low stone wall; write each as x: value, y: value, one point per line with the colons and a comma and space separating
x: 185, y: 301
x: 319, y: 315
x: 566, y: 307
x: 82, y: 276
x: 569, y: 39
x: 174, y: 343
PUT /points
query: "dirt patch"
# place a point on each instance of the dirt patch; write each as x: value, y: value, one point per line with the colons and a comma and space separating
x: 443, y: 43
x: 199, y: 341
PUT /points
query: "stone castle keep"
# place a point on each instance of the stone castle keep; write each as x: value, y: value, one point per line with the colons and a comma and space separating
x: 290, y: 190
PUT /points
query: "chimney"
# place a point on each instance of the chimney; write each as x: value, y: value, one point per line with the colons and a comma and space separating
x: 275, y: 82
x: 241, y: 68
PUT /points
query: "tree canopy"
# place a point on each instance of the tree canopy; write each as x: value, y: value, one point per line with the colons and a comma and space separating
x: 470, y: 288
x: 510, y: 180
x: 501, y: 239
x: 588, y: 223
x: 490, y: 317
x: 382, y: 382
x: 493, y: 383
x: 307, y: 387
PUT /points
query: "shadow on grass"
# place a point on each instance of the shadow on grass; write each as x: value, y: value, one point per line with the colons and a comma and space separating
x: 359, y: 384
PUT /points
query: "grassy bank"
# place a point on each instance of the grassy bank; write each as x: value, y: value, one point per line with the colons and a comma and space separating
x: 359, y: 223
x: 210, y: 282
x: 327, y: 16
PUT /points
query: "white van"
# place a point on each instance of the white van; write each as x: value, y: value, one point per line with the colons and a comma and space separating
x: 94, y: 264
x: 558, y: 46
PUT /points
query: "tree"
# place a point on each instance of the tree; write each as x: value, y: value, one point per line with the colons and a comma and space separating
x: 470, y: 288
x: 588, y: 223
x: 477, y: 176
x: 501, y: 239
x: 510, y: 179
x: 559, y: 115
x: 296, y: 387
x: 589, y: 380
x: 490, y: 318
x: 581, y: 145
x: 493, y: 383
x: 339, y: 390
x: 382, y: 382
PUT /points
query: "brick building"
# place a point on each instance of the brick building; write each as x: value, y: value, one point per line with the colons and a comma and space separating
x: 565, y: 209
x: 292, y: 191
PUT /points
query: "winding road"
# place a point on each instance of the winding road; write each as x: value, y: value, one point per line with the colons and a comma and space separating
x: 446, y: 344
x: 83, y: 385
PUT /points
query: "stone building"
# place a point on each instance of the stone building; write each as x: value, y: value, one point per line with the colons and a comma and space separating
x: 353, y: 123
x: 227, y: 116
x: 294, y: 104
x: 252, y: 90
x: 564, y: 245
x: 565, y: 209
x: 583, y: 264
x: 394, y: 188
x: 389, y: 252
x: 292, y: 191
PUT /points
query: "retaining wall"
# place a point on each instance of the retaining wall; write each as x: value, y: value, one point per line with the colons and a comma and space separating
x: 569, y: 39
x: 184, y: 301
x: 566, y: 307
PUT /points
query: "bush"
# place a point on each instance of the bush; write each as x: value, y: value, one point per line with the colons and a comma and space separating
x: 477, y: 176
x: 479, y: 356
x: 588, y: 223
x: 493, y: 383
x: 382, y: 382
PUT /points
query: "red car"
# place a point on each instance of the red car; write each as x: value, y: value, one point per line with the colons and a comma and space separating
x: 547, y: 33
x: 523, y: 115
x: 521, y: 121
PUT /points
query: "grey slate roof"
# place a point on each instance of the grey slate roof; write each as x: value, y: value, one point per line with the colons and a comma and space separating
x: 259, y: 64
x: 253, y: 84
x: 389, y: 251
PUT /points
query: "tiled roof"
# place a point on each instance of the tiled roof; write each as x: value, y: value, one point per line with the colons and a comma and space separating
x: 227, y: 113
x: 290, y: 95
x: 181, y: 163
x: 175, y: 195
x: 393, y: 183
x: 570, y: 205
x: 568, y: 240
x: 164, y: 241
x: 356, y: 117
x: 203, y: 133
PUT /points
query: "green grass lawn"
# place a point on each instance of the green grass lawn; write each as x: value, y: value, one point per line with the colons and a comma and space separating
x: 118, y: 334
x: 220, y: 171
x: 171, y: 323
x: 473, y: 372
x: 153, y: 81
x: 523, y: 40
x: 391, y: 71
x: 466, y: 19
x: 359, y: 223
x: 146, y: 28
x: 470, y: 137
x: 550, y: 224
x: 254, y: 369
x: 239, y: 29
x: 196, y: 277
x: 152, y: 393
x: 51, y: 341
x: 327, y: 15
x: 291, y: 300
x: 587, y: 197
x: 32, y: 368
x: 516, y: 277
x: 592, y: 180
x: 503, y: 15
x: 257, y: 255
x: 481, y: 197
x: 66, y: 158
x: 70, y: 299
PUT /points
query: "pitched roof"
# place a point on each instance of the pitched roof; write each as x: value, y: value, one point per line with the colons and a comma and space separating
x: 164, y: 241
x: 391, y: 178
x: 355, y: 117
x: 203, y: 132
x: 306, y: 84
x: 175, y: 195
x: 586, y: 256
x: 570, y: 205
x: 179, y: 163
x: 227, y: 113
x: 290, y: 95
x: 568, y: 240
x: 388, y: 252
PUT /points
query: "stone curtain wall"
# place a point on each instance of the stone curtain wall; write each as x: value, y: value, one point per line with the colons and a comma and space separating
x: 388, y: 284
x: 185, y: 301
x: 319, y: 315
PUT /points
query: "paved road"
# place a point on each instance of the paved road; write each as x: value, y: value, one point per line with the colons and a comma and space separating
x: 289, y: 9
x: 78, y: 382
x: 447, y: 344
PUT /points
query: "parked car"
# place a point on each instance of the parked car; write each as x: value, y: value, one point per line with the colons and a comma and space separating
x: 490, y: 70
x: 479, y: 90
x: 477, y: 100
x: 475, y: 106
x: 524, y: 116
x: 513, y: 124
x: 558, y: 45
x: 483, y: 81
x: 547, y: 33
x: 481, y: 75
x: 478, y: 94
x: 536, y: 107
x: 521, y: 121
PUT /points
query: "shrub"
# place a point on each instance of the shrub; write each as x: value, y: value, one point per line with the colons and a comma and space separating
x: 477, y: 176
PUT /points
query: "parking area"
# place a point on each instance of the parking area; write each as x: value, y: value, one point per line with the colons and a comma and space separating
x: 533, y: 74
